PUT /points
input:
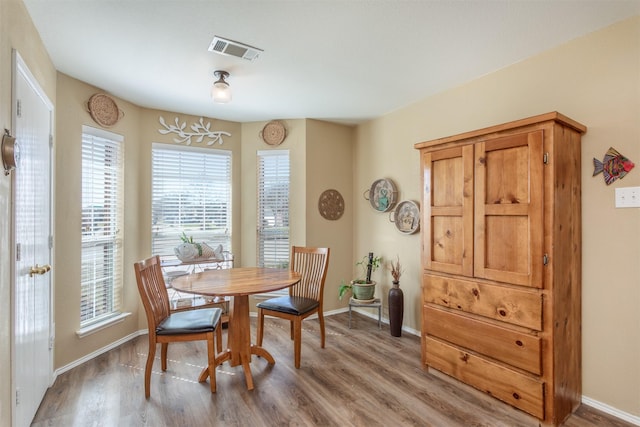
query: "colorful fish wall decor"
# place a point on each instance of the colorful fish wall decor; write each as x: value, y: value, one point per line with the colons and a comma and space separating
x: 613, y: 166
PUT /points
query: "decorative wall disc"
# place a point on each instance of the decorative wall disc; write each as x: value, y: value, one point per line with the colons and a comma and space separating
x: 406, y: 217
x: 331, y: 205
x: 104, y: 110
x: 382, y: 195
x: 273, y: 133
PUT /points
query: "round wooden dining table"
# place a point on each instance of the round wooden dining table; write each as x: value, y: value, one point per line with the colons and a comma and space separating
x: 238, y: 283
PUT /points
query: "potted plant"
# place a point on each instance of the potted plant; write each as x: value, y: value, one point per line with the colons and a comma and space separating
x: 362, y: 289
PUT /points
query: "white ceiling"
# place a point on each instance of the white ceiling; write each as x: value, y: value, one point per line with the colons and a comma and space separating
x: 338, y: 60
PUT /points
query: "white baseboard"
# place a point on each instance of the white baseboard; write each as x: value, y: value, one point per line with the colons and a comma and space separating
x: 97, y: 353
x: 374, y: 316
x: 633, y: 419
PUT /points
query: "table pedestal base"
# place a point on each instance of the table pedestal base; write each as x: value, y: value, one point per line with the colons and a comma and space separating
x: 240, y: 347
x: 226, y: 355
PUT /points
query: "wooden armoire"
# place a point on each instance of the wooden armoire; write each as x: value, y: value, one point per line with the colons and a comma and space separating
x: 501, y: 259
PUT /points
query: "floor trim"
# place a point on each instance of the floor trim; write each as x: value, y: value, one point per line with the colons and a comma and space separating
x: 633, y: 419
x: 97, y: 353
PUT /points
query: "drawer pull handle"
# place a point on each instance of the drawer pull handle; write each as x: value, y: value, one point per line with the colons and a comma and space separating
x: 502, y: 312
x: 519, y: 343
x: 475, y: 292
x: 465, y: 357
x: 516, y: 396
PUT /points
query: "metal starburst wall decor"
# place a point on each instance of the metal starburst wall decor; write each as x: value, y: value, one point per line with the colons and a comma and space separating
x: 200, y: 131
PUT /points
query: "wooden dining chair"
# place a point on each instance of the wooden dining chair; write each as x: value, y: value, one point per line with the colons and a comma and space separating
x: 167, y: 326
x: 305, y: 297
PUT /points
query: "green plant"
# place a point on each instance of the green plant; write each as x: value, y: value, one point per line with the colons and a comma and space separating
x: 343, y: 289
x: 189, y: 240
x: 364, y: 265
x: 376, y: 262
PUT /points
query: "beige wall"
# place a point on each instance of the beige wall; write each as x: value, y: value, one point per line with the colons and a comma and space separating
x: 594, y: 80
x: 329, y: 165
x: 16, y: 32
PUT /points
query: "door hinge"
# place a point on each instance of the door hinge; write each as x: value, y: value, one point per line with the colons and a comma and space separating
x: 51, y: 340
x: 50, y: 242
x: 545, y: 158
x: 17, y: 396
x: 50, y: 141
x: 18, y: 246
x: 19, y: 108
x: 545, y: 259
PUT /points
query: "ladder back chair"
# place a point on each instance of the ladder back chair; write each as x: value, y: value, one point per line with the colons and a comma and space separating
x: 167, y: 326
x: 305, y: 297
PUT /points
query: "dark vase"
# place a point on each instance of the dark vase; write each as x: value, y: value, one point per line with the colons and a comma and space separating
x: 396, y: 309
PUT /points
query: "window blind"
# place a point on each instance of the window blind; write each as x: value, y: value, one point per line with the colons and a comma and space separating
x: 273, y: 208
x: 102, y: 215
x: 191, y: 193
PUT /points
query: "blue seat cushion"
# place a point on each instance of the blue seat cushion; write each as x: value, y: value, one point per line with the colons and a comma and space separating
x: 190, y: 322
x: 290, y: 305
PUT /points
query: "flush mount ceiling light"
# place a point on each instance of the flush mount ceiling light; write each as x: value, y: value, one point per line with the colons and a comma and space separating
x: 221, y: 93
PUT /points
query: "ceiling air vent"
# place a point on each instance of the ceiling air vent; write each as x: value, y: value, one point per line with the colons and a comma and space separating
x: 234, y: 48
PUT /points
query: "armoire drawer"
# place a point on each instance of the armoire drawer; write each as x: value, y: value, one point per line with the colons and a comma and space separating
x: 503, y: 344
x: 519, y: 390
x: 519, y: 307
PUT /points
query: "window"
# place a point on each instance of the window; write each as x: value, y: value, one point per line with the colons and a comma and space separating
x: 191, y: 193
x: 102, y: 214
x: 273, y: 208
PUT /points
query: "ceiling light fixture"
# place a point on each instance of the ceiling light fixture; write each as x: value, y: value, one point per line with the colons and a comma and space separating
x: 221, y: 93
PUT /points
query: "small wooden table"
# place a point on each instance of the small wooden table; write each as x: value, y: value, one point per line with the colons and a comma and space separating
x: 238, y: 283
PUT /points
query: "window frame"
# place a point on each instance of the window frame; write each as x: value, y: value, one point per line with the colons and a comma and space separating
x: 163, y: 241
x: 104, y: 179
x: 282, y: 253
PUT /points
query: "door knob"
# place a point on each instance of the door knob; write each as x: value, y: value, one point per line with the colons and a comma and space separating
x: 39, y: 270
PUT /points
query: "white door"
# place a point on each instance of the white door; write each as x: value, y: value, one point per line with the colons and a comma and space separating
x: 32, y: 230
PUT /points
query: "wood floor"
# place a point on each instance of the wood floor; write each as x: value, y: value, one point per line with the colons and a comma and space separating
x: 364, y: 377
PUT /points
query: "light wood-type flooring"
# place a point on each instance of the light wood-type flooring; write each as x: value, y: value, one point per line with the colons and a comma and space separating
x: 364, y: 377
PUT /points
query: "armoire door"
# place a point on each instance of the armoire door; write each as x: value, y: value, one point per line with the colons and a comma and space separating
x: 448, y: 210
x: 509, y: 209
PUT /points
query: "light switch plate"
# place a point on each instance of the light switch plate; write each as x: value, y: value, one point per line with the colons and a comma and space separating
x: 628, y: 197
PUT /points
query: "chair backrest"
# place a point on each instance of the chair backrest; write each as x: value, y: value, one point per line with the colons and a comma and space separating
x: 153, y: 291
x: 312, y: 263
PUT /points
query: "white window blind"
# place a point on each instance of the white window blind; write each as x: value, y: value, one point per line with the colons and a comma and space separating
x: 273, y: 208
x: 191, y: 193
x: 102, y: 216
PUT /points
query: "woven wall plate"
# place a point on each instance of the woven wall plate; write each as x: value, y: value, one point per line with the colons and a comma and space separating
x: 331, y: 205
x: 273, y: 133
x: 382, y: 195
x: 406, y: 217
x: 104, y: 110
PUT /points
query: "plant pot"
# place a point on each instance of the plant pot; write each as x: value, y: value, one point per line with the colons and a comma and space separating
x: 363, y: 291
